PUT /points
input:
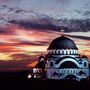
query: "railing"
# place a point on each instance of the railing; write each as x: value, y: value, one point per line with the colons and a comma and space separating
x: 69, y: 71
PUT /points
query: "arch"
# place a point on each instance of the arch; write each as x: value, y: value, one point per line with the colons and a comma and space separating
x: 85, y: 64
x: 67, y: 59
x: 71, y: 77
x: 53, y: 51
x: 62, y: 51
x: 59, y: 52
x: 68, y: 64
x: 51, y: 64
x: 81, y: 73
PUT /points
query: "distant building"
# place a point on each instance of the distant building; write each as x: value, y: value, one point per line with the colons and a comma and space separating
x: 39, y: 69
x: 63, y: 61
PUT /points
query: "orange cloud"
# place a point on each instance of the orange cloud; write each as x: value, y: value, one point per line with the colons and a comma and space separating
x: 16, y: 39
x: 32, y: 64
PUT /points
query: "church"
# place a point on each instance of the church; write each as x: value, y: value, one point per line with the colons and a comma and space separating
x: 63, y: 61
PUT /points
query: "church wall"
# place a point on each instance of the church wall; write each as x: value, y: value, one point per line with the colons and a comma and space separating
x: 65, y: 72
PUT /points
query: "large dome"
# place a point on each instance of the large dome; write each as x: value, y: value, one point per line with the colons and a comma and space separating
x: 62, y: 43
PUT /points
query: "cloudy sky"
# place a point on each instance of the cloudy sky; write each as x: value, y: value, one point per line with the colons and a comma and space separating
x: 28, y: 26
x: 55, y: 8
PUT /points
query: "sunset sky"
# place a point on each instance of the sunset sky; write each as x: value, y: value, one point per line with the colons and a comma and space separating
x: 21, y: 44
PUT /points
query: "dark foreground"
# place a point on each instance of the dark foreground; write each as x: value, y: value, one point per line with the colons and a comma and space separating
x: 19, y: 81
x: 25, y: 84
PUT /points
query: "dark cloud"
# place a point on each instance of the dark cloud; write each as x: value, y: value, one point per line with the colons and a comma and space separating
x: 3, y: 31
x: 6, y: 31
x: 55, y: 25
x: 86, y: 14
x: 20, y: 56
x: 39, y: 26
x: 36, y: 43
x: 79, y: 37
x: 14, y: 63
x: 19, y: 11
x: 34, y: 25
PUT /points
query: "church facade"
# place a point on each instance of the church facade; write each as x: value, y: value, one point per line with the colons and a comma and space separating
x: 64, y: 62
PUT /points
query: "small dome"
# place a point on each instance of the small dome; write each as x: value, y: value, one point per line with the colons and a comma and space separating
x: 62, y: 43
x: 84, y: 57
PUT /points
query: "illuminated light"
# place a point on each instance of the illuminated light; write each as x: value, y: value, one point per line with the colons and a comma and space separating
x: 34, y: 70
x: 29, y: 76
x: 37, y: 70
x: 35, y: 76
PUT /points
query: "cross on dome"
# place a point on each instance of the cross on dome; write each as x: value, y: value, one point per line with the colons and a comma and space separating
x: 62, y: 31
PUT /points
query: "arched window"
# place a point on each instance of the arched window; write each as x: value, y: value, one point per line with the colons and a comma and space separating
x: 51, y: 64
x: 85, y: 64
x: 54, y: 51
x: 62, y: 52
x: 71, y: 77
x: 70, y: 52
x: 59, y: 52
